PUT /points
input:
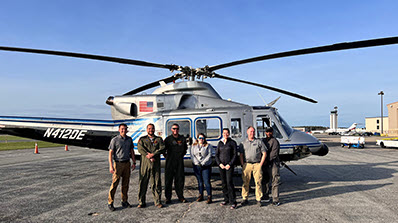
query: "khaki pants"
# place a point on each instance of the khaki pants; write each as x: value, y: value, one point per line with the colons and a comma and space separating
x: 248, y: 169
x: 122, y: 170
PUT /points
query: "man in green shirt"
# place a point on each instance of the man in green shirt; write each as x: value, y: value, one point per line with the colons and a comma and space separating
x: 150, y: 147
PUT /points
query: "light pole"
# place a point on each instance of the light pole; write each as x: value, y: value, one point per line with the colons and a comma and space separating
x: 381, y: 93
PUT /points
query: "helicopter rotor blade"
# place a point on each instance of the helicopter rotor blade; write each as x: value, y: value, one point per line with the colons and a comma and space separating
x: 92, y: 57
x: 320, y: 49
x: 266, y: 87
x: 151, y: 85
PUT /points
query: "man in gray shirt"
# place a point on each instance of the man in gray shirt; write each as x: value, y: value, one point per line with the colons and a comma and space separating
x: 252, y: 157
x: 121, y: 149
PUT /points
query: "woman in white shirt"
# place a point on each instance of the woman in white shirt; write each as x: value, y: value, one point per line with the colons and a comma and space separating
x: 201, y: 158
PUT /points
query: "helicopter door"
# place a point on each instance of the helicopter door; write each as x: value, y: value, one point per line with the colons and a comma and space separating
x: 263, y: 121
x: 247, y: 121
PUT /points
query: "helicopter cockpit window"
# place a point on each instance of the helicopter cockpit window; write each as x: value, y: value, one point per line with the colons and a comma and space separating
x: 236, y: 128
x: 263, y: 121
x: 185, y: 127
x: 277, y: 133
x: 211, y: 127
x: 284, y: 124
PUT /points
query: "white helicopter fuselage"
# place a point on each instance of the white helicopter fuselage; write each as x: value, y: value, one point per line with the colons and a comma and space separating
x: 197, y: 108
x: 194, y: 105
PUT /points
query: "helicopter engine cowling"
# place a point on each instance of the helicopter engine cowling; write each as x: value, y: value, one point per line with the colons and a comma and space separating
x: 126, y: 108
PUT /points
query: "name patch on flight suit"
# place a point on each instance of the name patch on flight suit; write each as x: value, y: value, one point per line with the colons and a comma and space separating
x: 155, y: 142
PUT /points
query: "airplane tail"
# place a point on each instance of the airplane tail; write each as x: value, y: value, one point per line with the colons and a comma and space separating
x: 352, y: 127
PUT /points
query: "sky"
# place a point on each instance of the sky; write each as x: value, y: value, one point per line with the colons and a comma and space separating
x: 198, y: 33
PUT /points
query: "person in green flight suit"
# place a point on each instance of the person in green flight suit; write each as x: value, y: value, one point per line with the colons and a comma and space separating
x: 150, y: 147
x: 176, y: 148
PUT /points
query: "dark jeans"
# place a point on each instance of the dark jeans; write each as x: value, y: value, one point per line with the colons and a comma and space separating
x: 203, y: 174
x: 228, y: 187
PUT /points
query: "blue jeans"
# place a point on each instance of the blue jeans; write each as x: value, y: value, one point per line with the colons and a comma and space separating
x: 203, y: 174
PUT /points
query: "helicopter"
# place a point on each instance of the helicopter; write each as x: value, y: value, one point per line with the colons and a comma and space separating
x: 183, y: 98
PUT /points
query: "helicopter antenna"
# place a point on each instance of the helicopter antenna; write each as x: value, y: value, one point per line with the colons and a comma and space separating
x: 261, y: 97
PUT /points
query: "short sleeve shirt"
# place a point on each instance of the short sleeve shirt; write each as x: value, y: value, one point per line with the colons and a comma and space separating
x: 121, y: 147
x: 253, y: 150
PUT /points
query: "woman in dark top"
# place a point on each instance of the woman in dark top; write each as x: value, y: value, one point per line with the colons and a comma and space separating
x: 225, y: 158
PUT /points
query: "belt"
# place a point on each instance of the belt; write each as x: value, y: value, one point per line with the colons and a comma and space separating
x: 252, y: 162
x: 125, y: 161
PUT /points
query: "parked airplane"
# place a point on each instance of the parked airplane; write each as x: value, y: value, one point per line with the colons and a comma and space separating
x: 342, y: 131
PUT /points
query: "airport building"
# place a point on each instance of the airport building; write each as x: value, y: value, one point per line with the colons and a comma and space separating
x: 393, y: 119
x: 373, y: 124
x: 390, y: 123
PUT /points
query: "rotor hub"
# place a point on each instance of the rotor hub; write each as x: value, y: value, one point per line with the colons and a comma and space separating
x: 188, y: 72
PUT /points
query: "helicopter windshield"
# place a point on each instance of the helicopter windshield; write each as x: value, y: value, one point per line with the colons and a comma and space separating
x: 284, y: 124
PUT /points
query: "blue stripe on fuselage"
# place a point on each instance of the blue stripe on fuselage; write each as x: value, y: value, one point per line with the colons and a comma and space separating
x: 109, y: 123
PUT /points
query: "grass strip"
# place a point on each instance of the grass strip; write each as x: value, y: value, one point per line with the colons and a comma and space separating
x: 9, y: 137
x: 26, y: 145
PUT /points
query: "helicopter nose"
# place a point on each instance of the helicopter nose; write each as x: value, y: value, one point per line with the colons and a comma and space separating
x: 313, y: 144
x: 322, y: 151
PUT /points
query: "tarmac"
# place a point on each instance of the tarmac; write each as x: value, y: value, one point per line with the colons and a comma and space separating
x: 346, y: 185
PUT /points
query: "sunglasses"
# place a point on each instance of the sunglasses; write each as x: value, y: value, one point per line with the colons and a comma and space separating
x: 201, y: 138
x: 175, y: 128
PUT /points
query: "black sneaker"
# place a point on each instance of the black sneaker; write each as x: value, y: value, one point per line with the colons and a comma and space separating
x: 126, y: 205
x: 276, y: 203
x: 168, y: 201
x: 244, y: 202
x: 141, y: 206
x: 111, y: 207
x: 266, y: 199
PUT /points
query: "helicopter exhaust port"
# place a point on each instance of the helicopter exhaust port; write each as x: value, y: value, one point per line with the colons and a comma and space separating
x: 109, y: 101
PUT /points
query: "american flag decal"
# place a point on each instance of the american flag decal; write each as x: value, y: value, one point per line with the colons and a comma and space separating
x: 146, y: 106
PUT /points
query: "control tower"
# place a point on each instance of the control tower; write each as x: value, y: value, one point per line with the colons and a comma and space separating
x: 333, y: 118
